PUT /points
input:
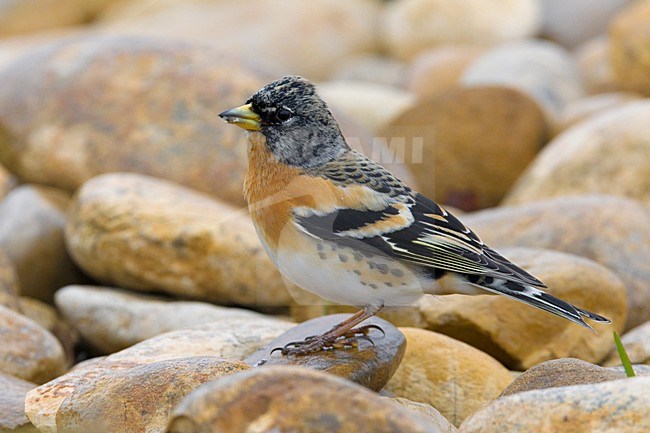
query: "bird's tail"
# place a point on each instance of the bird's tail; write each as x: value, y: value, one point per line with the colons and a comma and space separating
x: 536, y: 297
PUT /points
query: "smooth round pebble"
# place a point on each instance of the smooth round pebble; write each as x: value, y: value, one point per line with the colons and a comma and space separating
x: 608, y: 407
x: 560, y: 372
x: 630, y: 47
x: 49, y: 318
x: 141, y: 105
x: 299, y: 38
x: 637, y: 346
x: 9, y: 286
x: 571, y: 22
x: 607, y: 154
x: 371, y: 364
x: 28, y: 351
x: 447, y: 374
x: 575, y: 225
x: 12, y: 405
x: 587, y: 107
x: 32, y: 219
x: 373, y: 105
x: 439, y: 69
x: 409, y: 27
x: 521, y: 336
x: 541, y: 69
x: 140, y: 398
x: 467, y: 147
x: 595, y: 68
x: 111, y: 319
x: 291, y: 399
x: 230, y: 338
x: 148, y: 234
x: 427, y: 412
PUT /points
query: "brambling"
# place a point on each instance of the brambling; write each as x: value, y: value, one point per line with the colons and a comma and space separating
x: 341, y: 226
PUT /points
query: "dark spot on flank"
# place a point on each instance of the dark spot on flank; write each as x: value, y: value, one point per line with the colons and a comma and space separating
x: 367, y: 254
x: 334, y: 247
x: 374, y: 286
x: 363, y: 283
x: 388, y: 284
x: 383, y: 268
x: 372, y: 265
x: 357, y: 257
x: 357, y: 272
x: 323, y: 256
x: 343, y: 258
x: 397, y: 272
x: 320, y: 246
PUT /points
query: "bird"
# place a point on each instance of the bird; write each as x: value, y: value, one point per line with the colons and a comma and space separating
x: 339, y: 225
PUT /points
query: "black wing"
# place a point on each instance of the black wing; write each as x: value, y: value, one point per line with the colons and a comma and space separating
x: 432, y: 238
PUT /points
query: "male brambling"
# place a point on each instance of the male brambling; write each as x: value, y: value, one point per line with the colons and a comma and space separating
x: 339, y: 225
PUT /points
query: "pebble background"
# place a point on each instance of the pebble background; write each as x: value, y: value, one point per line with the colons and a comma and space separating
x: 136, y: 297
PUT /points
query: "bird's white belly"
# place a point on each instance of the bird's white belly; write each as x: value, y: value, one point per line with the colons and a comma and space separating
x: 347, y: 276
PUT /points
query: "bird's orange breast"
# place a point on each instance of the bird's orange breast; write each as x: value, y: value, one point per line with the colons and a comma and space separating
x: 276, y: 191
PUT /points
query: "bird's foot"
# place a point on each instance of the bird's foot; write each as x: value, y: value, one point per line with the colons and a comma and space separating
x: 329, y: 341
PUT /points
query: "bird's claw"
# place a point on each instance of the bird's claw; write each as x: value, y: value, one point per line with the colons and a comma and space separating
x: 317, y: 343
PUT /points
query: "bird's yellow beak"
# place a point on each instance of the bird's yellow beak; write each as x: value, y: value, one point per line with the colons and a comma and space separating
x: 243, y: 116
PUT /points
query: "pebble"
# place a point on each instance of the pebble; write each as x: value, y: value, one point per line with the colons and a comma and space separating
x: 140, y: 398
x: 153, y: 102
x: 32, y: 220
x: 571, y: 22
x: 372, y: 69
x: 637, y: 346
x: 630, y: 47
x: 595, y: 68
x: 409, y: 27
x: 12, y: 405
x: 48, y: 317
x: 561, y: 372
x: 7, y: 180
x: 586, y: 158
x: 521, y: 336
x: 110, y: 319
x: 587, y: 107
x: 541, y: 69
x: 148, y: 234
x: 291, y: 399
x: 439, y: 139
x: 373, y: 105
x: 451, y: 376
x: 42, y: 403
x: 608, y: 407
x: 438, y: 70
x: 575, y: 225
x: 371, y: 364
x: 20, y: 17
x: 231, y: 338
x: 28, y: 351
x: 9, y: 286
x: 300, y: 38
x: 425, y: 411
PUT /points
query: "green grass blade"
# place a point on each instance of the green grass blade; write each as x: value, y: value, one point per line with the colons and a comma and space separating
x: 625, y: 360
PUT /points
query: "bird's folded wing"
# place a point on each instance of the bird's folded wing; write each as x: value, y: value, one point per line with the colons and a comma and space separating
x: 418, y: 231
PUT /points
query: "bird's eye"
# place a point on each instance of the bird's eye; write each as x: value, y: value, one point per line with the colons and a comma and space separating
x: 283, y: 114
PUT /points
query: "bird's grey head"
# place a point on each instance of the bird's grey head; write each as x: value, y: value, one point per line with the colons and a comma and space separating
x: 299, y: 128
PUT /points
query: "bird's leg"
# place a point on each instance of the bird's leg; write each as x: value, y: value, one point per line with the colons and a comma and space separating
x: 343, y: 335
